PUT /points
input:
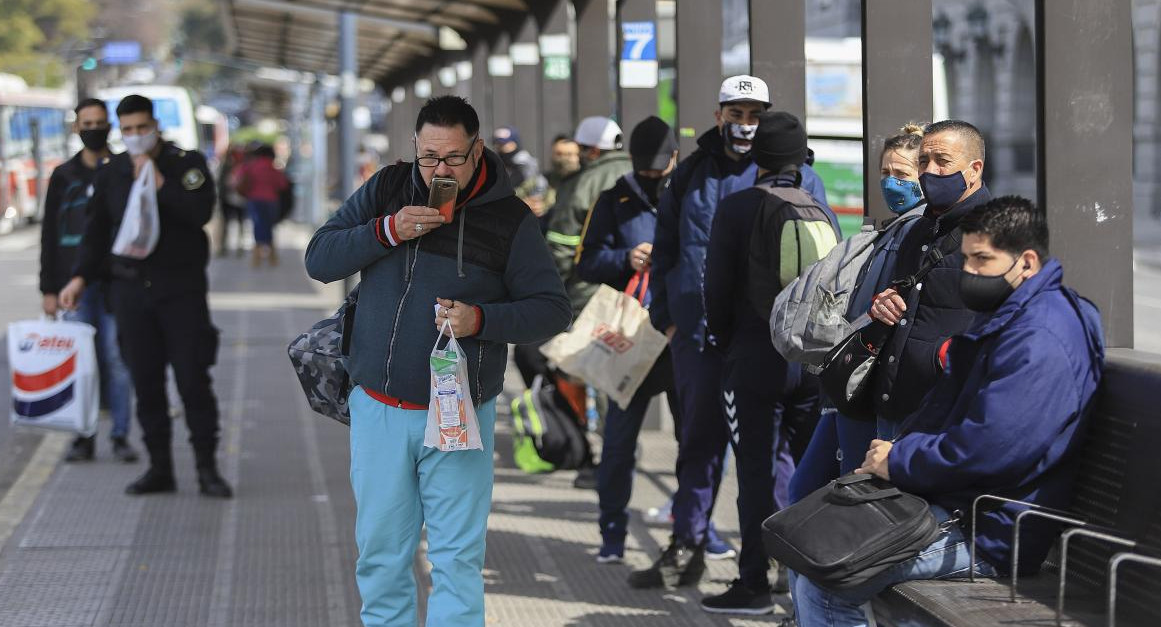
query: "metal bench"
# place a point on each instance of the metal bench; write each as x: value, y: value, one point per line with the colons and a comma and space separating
x: 1107, y: 563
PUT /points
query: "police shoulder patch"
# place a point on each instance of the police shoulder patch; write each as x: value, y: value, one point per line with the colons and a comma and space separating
x: 192, y: 179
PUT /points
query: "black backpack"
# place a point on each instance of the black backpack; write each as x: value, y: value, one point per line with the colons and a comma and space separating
x: 791, y: 232
x: 547, y: 435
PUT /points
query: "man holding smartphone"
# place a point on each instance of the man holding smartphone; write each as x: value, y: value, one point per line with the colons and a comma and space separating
x: 489, y: 271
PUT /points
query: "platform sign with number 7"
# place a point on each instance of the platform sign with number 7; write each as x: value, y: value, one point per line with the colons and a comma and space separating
x: 639, y: 54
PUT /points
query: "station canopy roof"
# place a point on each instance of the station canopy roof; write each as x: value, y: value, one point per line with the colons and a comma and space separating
x: 394, y: 36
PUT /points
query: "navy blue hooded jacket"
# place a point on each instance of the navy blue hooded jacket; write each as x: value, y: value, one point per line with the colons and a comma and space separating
x: 1007, y: 414
x: 491, y: 255
x: 619, y: 221
x: 734, y: 327
x: 684, y: 217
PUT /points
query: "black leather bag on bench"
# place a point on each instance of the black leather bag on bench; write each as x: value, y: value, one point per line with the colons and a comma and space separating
x: 850, y: 530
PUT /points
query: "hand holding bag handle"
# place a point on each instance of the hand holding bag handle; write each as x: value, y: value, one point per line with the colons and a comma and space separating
x: 844, y: 497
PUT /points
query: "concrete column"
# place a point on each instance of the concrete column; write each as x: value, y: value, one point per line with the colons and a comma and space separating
x: 897, y: 84
x: 463, y: 69
x: 594, y: 67
x: 500, y: 72
x: 438, y: 78
x: 525, y: 53
x: 780, y: 60
x: 481, y: 85
x: 1147, y: 131
x: 557, y: 111
x: 638, y: 94
x: 699, y: 68
x: 1085, y: 62
x: 348, y: 90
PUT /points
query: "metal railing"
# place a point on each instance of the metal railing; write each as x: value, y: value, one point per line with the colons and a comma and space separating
x: 1080, y: 528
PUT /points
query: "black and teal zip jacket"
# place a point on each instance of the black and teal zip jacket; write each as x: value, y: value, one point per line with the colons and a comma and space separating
x: 492, y: 255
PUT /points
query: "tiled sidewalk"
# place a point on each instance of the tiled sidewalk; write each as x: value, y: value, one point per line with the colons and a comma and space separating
x: 281, y: 553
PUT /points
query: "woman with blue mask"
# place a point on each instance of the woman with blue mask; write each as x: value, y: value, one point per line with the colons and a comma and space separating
x: 840, y: 443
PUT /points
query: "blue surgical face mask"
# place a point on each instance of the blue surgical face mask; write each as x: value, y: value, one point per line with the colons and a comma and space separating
x: 901, y: 195
x: 942, y: 191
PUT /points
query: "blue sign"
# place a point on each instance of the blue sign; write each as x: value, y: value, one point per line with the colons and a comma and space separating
x: 121, y: 52
x: 640, y: 41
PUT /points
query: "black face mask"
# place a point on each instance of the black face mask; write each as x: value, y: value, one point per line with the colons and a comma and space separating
x: 942, y: 191
x: 985, y: 293
x: 652, y: 187
x: 95, y: 139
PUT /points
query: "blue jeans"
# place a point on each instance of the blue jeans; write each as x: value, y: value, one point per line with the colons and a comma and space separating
x: 399, y: 486
x: 838, y: 446
x: 116, y: 384
x: 263, y: 214
x: 947, y: 557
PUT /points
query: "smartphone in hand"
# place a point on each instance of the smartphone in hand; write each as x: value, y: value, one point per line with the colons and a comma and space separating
x: 443, y: 196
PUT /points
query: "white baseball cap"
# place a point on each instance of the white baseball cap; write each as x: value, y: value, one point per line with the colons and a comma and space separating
x: 600, y: 132
x: 742, y: 88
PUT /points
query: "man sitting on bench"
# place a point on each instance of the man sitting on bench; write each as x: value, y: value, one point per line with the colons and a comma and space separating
x: 1004, y: 418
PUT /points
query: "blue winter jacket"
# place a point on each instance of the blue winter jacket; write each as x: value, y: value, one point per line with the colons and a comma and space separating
x: 684, y: 217
x: 619, y: 221
x: 491, y: 255
x: 1008, y: 414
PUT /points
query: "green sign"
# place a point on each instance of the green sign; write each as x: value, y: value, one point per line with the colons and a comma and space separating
x: 557, y: 68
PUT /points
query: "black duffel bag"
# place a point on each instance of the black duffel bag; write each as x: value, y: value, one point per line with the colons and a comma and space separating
x: 850, y: 530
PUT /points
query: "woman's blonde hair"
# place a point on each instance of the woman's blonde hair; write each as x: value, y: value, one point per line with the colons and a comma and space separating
x: 909, y: 138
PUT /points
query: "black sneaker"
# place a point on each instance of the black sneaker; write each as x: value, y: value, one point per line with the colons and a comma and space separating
x: 212, y: 484
x: 123, y: 451
x: 152, y: 482
x: 586, y: 478
x: 679, y: 565
x: 82, y: 449
x: 738, y: 599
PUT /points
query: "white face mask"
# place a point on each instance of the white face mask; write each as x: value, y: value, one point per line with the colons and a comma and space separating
x: 734, y: 130
x: 140, y: 144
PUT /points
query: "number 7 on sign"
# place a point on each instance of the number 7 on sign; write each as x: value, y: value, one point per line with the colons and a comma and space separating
x: 639, y: 38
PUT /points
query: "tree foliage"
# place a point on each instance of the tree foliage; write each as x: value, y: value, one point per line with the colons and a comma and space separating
x: 36, y: 35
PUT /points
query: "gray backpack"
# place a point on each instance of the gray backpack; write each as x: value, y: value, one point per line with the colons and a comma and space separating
x: 810, y: 314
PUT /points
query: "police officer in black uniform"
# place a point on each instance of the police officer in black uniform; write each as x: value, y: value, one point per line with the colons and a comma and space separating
x: 160, y: 300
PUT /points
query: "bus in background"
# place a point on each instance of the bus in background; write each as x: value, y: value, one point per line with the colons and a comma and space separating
x: 834, y: 121
x: 34, y: 133
x: 172, y: 106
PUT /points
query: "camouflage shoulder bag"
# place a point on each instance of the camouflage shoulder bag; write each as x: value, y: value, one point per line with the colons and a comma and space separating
x: 317, y: 357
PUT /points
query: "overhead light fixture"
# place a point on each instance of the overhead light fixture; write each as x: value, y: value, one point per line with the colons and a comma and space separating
x: 449, y: 39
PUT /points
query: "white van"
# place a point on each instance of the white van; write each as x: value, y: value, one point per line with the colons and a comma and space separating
x: 172, y: 106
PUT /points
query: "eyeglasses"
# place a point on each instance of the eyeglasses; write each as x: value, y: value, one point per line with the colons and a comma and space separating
x: 429, y: 161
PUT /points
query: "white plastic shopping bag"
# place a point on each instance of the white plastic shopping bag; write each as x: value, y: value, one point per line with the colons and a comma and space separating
x: 451, y: 417
x: 141, y: 225
x: 612, y: 346
x: 54, y: 375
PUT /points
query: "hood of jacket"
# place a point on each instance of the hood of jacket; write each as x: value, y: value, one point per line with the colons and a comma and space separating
x: 488, y: 184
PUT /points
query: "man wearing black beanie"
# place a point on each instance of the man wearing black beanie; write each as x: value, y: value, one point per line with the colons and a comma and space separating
x: 756, y: 380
